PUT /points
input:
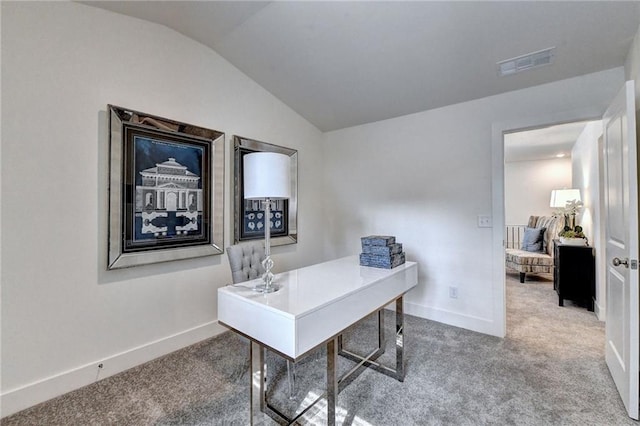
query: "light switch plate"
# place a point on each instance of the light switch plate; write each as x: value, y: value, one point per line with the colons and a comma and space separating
x: 484, y: 221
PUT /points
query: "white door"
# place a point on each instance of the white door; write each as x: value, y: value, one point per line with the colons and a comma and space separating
x: 621, y: 251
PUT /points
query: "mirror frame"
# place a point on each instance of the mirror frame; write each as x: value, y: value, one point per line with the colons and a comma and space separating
x: 123, y: 121
x: 240, y: 145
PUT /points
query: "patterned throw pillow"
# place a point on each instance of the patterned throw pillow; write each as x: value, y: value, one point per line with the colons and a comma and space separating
x: 532, y: 239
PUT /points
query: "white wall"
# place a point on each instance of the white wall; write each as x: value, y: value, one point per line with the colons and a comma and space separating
x: 586, y: 177
x: 62, y: 312
x: 528, y: 186
x: 426, y: 177
x: 632, y: 66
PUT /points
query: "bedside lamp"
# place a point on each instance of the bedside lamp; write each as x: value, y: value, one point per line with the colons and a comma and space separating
x: 267, y: 177
x: 560, y: 197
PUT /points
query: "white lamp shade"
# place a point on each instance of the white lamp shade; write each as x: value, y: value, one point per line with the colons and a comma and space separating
x: 267, y: 175
x: 560, y: 197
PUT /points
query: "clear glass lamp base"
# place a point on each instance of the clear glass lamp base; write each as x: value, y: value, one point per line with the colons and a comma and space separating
x: 263, y: 288
x: 267, y: 278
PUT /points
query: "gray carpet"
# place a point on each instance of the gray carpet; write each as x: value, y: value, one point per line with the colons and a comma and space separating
x: 549, y: 369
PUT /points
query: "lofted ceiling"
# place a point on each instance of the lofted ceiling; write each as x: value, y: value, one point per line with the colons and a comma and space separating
x: 341, y: 64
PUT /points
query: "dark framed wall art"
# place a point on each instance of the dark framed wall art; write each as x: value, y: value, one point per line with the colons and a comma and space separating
x: 166, y: 189
x: 248, y: 215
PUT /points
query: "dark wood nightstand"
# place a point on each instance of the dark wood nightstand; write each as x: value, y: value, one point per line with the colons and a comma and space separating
x: 574, y: 274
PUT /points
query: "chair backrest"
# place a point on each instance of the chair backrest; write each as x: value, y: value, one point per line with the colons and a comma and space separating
x: 245, y: 261
x: 553, y: 224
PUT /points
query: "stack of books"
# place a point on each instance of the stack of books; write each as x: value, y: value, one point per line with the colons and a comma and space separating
x: 381, y: 251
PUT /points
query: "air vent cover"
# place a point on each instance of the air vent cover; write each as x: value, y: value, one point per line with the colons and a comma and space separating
x: 526, y: 62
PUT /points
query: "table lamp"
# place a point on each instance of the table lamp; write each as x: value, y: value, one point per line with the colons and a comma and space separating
x: 267, y: 177
x: 560, y: 197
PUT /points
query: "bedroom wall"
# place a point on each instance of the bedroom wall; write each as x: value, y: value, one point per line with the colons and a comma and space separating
x: 426, y: 177
x: 62, y: 311
x: 528, y: 186
x: 586, y: 177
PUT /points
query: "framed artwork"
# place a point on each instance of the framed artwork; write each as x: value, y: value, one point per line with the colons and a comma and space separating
x: 166, y: 189
x: 248, y: 215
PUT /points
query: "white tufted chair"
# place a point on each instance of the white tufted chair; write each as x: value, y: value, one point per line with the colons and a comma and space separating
x: 245, y: 261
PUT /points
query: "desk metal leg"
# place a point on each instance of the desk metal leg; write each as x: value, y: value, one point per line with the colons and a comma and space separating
x: 382, y: 341
x: 370, y: 360
x: 258, y: 382
x: 399, y: 374
x: 260, y: 406
x: 381, y: 334
x: 332, y: 380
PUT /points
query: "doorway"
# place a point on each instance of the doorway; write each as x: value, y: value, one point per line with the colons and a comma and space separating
x: 537, y: 163
x: 628, y: 385
x: 499, y: 130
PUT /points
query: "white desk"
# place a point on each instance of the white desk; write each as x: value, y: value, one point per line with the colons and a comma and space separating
x: 314, y: 306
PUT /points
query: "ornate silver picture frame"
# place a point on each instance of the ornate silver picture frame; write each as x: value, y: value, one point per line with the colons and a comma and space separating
x: 248, y: 215
x: 166, y: 189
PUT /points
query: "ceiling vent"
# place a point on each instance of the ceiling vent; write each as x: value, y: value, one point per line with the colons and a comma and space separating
x: 526, y: 62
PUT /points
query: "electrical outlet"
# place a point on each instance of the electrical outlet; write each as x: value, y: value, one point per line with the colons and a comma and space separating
x: 100, y: 368
x: 453, y: 292
x: 484, y: 221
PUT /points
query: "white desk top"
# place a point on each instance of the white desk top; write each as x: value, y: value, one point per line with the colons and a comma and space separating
x: 313, y: 303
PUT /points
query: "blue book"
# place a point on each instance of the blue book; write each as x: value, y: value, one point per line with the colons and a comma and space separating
x: 378, y: 240
x: 383, y: 250
x: 386, y: 262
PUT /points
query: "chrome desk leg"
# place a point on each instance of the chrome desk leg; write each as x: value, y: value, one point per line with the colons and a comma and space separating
x: 381, y: 339
x: 399, y: 340
x: 381, y: 335
x: 258, y: 379
x: 259, y: 405
x: 291, y: 375
x: 332, y: 380
x: 370, y: 360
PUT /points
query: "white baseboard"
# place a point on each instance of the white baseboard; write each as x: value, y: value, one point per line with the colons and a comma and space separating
x: 18, y: 399
x: 481, y: 325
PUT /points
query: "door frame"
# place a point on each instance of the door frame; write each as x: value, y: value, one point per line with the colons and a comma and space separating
x: 498, y: 130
